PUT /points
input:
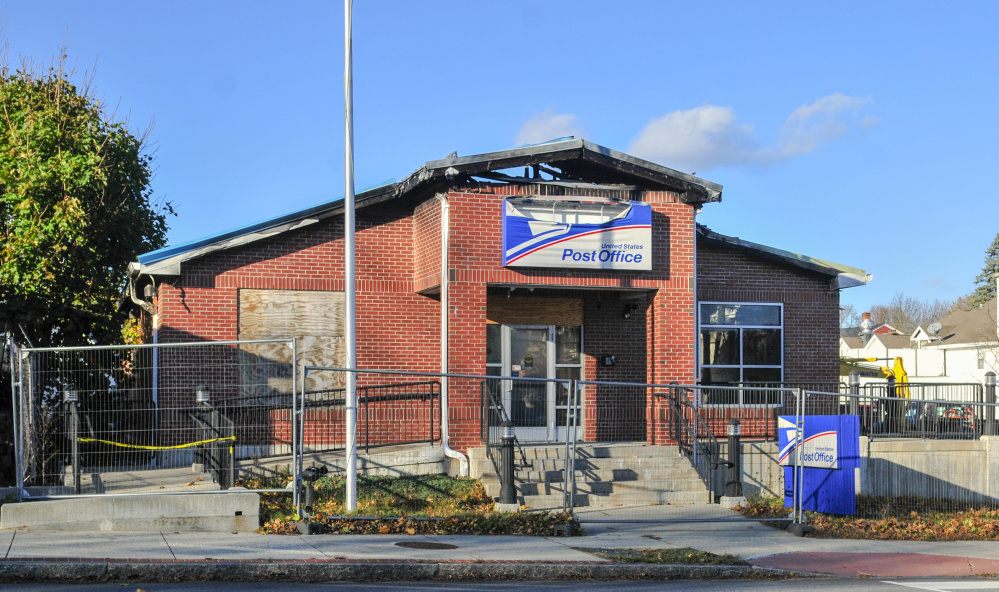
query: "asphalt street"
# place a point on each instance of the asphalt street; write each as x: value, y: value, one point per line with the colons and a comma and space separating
x: 819, y: 585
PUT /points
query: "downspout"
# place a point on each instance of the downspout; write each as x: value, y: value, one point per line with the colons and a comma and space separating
x: 445, y: 331
x: 154, y: 313
x: 697, y: 311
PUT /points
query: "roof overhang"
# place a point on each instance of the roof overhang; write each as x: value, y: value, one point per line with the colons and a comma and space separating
x: 576, y: 157
x: 842, y: 276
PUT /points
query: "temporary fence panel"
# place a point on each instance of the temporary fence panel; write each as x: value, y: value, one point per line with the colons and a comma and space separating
x: 914, y: 457
x: 138, y: 419
x: 399, y: 428
x: 656, y: 452
x: 12, y: 362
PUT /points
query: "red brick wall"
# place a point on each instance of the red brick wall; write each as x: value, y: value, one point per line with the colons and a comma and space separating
x: 811, y: 319
x: 398, y: 328
x: 811, y: 306
x: 476, y: 256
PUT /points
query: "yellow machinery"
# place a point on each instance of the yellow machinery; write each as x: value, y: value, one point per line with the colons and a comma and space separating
x: 897, y: 371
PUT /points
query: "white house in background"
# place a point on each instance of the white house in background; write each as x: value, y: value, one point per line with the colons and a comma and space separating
x: 961, y: 347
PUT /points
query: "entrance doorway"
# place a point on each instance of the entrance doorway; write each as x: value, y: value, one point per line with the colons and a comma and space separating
x: 537, y: 409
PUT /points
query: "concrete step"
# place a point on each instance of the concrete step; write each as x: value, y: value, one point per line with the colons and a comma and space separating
x: 661, y: 475
x: 583, y: 500
x: 633, y: 488
x: 622, y: 465
x: 627, y: 450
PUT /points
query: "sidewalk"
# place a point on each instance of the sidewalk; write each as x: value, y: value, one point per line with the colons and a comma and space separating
x: 168, y: 556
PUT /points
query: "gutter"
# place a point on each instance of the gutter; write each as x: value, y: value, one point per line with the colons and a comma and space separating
x: 445, y: 341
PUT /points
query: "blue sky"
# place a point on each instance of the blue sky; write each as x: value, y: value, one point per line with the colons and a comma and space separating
x: 859, y: 132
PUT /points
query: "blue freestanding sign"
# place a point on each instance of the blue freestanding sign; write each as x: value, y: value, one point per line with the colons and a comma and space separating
x: 830, y: 455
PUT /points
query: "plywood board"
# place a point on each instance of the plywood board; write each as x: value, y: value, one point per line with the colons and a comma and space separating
x: 275, y: 314
x: 314, y: 318
x: 517, y: 310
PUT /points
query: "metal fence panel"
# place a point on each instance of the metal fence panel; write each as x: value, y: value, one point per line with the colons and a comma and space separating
x: 138, y: 419
x: 398, y: 411
x: 919, y: 454
x: 653, y: 452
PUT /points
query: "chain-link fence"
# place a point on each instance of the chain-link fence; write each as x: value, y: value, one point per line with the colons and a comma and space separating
x: 163, y: 418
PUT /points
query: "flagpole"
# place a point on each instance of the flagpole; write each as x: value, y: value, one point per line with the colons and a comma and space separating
x: 350, y: 415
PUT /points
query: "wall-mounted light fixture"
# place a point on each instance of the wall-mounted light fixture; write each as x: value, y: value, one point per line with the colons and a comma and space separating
x: 629, y: 310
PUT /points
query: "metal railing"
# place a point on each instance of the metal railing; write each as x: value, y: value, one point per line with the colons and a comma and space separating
x: 216, y: 435
x: 391, y: 412
x: 692, y: 434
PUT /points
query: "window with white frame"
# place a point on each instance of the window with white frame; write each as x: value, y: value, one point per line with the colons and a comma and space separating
x: 981, y: 359
x: 741, y: 344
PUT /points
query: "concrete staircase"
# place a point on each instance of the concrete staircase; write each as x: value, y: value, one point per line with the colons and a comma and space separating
x: 607, y: 475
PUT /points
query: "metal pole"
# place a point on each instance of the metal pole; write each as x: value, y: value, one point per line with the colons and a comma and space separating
x: 350, y: 415
x: 300, y: 436
x: 799, y: 471
x: 990, y: 400
x: 854, y: 401
x: 69, y: 397
x: 294, y: 422
x: 733, y: 487
x: 16, y: 410
x: 508, y: 492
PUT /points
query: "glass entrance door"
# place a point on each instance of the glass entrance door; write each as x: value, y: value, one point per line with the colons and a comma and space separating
x: 538, y: 409
x: 527, y: 402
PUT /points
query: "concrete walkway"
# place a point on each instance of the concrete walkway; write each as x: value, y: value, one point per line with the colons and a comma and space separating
x: 168, y: 556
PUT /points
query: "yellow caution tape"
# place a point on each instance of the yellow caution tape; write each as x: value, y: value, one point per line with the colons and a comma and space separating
x: 198, y: 443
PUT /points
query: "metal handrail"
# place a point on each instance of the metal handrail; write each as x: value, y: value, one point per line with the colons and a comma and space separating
x: 710, y: 449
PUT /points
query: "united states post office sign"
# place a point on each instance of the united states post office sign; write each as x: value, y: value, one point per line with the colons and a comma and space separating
x: 577, y: 236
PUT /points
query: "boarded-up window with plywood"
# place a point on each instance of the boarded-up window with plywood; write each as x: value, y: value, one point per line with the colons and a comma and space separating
x: 315, y: 318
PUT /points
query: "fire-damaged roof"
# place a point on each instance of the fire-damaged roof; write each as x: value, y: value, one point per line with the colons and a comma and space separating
x: 570, y: 162
x: 843, y: 276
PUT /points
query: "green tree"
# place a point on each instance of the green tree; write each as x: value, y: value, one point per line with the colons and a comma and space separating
x: 985, y: 284
x: 75, y: 209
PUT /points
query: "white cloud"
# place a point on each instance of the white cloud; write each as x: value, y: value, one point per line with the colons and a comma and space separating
x: 549, y: 125
x: 709, y: 137
x: 810, y: 126
x: 698, y: 139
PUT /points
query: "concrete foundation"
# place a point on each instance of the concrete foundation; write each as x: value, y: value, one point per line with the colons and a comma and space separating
x: 215, y: 512
x: 965, y: 470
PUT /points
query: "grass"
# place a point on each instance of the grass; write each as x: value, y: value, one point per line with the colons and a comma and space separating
x: 681, y: 556
x: 898, y: 519
x: 419, y: 504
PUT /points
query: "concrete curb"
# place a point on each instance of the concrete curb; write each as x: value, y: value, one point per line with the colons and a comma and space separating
x: 371, y: 570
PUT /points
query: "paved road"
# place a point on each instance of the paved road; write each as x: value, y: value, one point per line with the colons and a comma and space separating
x: 823, y: 585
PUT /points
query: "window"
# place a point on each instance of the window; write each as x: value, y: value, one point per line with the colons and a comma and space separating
x: 741, y: 344
x: 981, y: 359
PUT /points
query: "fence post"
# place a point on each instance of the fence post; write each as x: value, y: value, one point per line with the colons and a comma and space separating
x: 854, y: 401
x: 990, y: 401
x: 69, y: 398
x: 890, y: 421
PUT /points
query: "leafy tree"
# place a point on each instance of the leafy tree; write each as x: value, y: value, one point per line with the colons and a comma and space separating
x: 985, y: 289
x: 75, y: 208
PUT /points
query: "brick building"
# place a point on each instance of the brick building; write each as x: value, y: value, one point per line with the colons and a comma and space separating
x: 613, y: 281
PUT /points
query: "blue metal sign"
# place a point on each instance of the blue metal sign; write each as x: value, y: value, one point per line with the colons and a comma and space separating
x: 830, y: 455
x: 579, y: 236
